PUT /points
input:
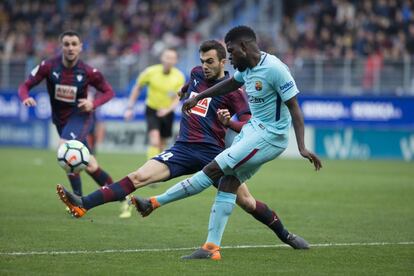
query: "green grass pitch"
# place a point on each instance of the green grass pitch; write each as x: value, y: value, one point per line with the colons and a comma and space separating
x: 359, y: 215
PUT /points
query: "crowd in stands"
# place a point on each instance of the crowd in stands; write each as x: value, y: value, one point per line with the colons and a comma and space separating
x: 328, y: 28
x: 347, y: 28
x: 111, y: 28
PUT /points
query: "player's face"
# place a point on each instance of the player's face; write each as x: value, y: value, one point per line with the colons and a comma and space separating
x: 213, y: 68
x: 71, y: 47
x: 169, y: 59
x: 237, y: 55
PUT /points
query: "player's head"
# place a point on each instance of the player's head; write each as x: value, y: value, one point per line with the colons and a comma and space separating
x: 71, y: 46
x: 213, y: 58
x: 241, y: 43
x: 169, y: 58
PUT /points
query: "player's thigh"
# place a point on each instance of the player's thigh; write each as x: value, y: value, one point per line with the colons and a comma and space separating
x: 77, y: 127
x: 245, y: 156
x: 186, y: 158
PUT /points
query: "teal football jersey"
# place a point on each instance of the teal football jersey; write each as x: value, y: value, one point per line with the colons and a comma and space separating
x: 268, y: 86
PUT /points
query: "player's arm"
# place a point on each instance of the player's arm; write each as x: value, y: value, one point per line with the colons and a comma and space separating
x: 183, y: 91
x: 299, y: 127
x: 99, y: 82
x: 36, y: 76
x: 133, y: 96
x: 224, y: 117
x: 220, y: 88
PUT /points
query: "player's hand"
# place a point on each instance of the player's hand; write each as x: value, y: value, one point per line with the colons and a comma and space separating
x: 313, y: 158
x: 129, y: 114
x: 181, y: 95
x: 224, y: 116
x: 85, y: 105
x: 163, y: 112
x: 188, y: 104
x: 30, y: 102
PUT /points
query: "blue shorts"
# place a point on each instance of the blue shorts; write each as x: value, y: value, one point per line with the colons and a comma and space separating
x: 247, y: 153
x: 77, y: 127
x: 187, y: 158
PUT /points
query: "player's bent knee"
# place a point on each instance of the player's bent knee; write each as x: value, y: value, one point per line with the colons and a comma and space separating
x: 138, y: 178
x: 93, y: 165
x: 229, y: 184
x: 213, y: 171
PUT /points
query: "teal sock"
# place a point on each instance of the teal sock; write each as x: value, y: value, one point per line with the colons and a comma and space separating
x: 219, y: 215
x: 188, y: 187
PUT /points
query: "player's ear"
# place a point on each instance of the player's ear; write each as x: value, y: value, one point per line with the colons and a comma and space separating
x: 223, y: 61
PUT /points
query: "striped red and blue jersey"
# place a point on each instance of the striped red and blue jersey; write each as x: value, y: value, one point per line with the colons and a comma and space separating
x: 202, y: 125
x: 66, y: 86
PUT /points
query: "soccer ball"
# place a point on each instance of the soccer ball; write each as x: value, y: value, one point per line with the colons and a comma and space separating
x: 73, y: 156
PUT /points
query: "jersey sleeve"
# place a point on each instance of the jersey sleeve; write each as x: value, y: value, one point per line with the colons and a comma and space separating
x: 37, y: 74
x: 184, y: 88
x: 284, y: 83
x: 238, y: 76
x: 144, y: 78
x: 102, y: 85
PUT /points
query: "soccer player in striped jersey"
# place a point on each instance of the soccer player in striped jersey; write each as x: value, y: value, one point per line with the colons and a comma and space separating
x: 67, y: 79
x: 201, y: 138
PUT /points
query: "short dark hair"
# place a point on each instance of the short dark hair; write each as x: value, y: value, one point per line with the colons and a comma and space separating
x: 69, y: 33
x: 213, y: 45
x: 240, y: 32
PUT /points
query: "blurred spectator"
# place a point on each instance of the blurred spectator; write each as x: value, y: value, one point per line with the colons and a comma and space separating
x: 123, y: 29
x: 108, y: 27
x: 347, y: 28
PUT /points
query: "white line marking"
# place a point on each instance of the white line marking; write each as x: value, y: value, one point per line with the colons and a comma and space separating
x: 139, y: 250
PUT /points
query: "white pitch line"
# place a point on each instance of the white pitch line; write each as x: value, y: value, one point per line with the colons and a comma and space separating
x: 29, y: 253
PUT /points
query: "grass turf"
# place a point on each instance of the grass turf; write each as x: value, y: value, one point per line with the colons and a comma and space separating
x: 347, y: 202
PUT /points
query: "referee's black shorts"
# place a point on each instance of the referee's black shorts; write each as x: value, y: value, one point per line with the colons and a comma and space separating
x: 163, y: 124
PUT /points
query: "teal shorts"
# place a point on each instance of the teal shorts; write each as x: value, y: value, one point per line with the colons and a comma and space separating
x: 247, y: 153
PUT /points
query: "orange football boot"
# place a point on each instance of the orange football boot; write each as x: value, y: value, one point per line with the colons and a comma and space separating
x: 73, y: 202
x: 207, y: 251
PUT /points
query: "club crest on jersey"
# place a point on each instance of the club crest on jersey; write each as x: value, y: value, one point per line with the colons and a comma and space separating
x: 258, y: 85
x: 79, y: 77
x: 201, y: 108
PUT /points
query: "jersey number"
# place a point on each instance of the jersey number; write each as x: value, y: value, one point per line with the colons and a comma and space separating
x: 166, y: 155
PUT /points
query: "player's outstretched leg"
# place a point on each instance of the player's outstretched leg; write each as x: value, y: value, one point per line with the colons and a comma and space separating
x: 143, y: 205
x: 269, y: 217
x: 72, y: 201
x: 207, y: 251
x: 114, y: 192
x: 297, y: 242
x: 188, y: 187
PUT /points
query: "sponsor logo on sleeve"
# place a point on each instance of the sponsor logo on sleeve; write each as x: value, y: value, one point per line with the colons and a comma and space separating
x: 201, y: 108
x: 285, y: 87
x: 66, y: 93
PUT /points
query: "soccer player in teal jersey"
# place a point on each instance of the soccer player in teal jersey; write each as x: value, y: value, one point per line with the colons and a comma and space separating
x: 272, y: 99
